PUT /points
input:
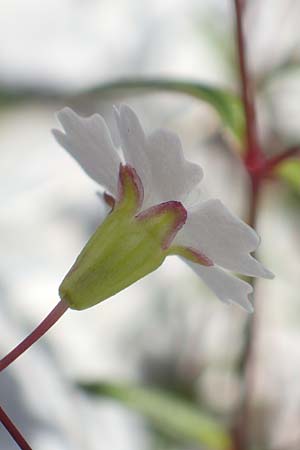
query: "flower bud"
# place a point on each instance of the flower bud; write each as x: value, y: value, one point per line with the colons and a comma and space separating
x: 126, y: 246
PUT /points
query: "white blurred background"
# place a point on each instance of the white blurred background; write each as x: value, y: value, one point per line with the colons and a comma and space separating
x: 167, y: 330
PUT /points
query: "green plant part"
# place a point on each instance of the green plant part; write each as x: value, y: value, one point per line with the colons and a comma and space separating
x: 126, y: 247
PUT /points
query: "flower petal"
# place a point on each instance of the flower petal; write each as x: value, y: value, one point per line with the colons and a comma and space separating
x: 226, y: 287
x: 133, y: 143
x: 88, y: 140
x: 158, y: 159
x: 222, y: 237
x: 173, y: 177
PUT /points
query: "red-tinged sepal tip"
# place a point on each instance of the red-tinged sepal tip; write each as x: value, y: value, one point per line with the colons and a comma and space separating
x: 109, y: 200
x: 191, y: 254
x: 163, y: 221
x: 130, y: 189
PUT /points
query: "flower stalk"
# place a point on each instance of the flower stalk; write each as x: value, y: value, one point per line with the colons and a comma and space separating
x: 247, y: 363
x: 36, y: 334
x: 275, y: 161
x: 257, y: 168
x: 254, y: 156
x: 13, y: 431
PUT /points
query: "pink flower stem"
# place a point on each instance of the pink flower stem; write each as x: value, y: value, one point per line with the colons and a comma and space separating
x: 13, y: 431
x: 258, y: 167
x: 274, y: 161
x: 254, y: 161
x: 242, y: 432
x: 254, y: 155
x: 39, y: 331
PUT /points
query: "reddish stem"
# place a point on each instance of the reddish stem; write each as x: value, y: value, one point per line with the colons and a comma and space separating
x: 13, y: 431
x: 273, y: 162
x: 39, y: 331
x: 254, y: 162
x: 254, y: 155
x: 243, y: 427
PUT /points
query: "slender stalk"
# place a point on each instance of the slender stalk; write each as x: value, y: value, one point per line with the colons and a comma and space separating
x: 276, y: 160
x: 39, y: 331
x: 13, y: 431
x: 254, y: 159
x: 253, y: 152
x: 247, y: 363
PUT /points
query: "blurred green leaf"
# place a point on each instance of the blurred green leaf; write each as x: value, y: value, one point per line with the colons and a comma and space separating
x: 10, y: 96
x: 168, y: 413
x: 289, y: 171
x: 226, y: 103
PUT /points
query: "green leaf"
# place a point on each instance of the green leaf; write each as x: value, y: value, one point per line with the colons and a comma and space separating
x: 289, y: 171
x: 10, y: 96
x: 169, y: 414
x: 226, y: 103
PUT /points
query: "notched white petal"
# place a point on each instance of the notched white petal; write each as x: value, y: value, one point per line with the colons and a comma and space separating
x: 131, y: 132
x: 133, y: 143
x: 88, y: 140
x: 158, y: 159
x: 173, y: 176
x: 226, y: 287
x: 223, y: 237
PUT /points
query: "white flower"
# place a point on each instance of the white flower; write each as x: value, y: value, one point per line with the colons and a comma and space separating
x: 209, y: 238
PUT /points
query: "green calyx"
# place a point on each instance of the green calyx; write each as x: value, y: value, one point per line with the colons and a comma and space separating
x: 118, y: 254
x: 124, y: 248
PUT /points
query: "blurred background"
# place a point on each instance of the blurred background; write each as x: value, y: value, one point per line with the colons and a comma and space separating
x: 160, y: 365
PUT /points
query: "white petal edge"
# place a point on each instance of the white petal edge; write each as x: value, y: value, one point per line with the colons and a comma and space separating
x: 133, y: 143
x: 88, y: 141
x: 173, y: 177
x: 226, y: 287
x: 213, y: 230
